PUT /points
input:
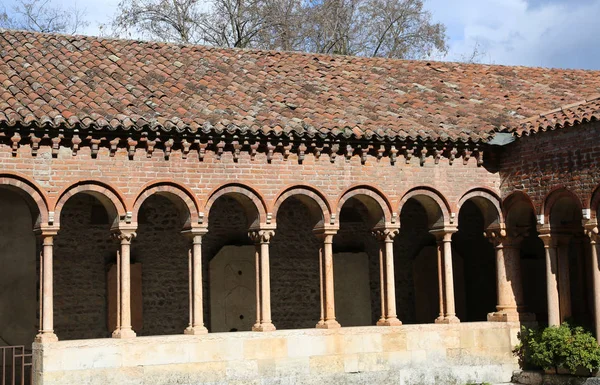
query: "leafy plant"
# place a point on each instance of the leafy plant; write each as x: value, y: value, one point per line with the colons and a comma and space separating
x: 566, y: 347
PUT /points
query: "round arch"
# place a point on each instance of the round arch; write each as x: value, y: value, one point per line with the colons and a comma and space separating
x: 517, y: 210
x: 562, y: 205
x: 109, y: 196
x: 489, y: 204
x: 595, y: 203
x: 377, y: 204
x: 180, y: 196
x: 31, y: 193
x: 434, y: 203
x: 251, y: 201
x: 312, y: 198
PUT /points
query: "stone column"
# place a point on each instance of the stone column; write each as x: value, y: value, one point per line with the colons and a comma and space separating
x: 196, y: 309
x: 125, y: 236
x: 46, y: 333
x: 509, y: 286
x: 440, y: 271
x: 444, y: 236
x: 387, y: 274
x: 551, y: 279
x: 262, y: 239
x: 592, y: 232
x: 327, y: 288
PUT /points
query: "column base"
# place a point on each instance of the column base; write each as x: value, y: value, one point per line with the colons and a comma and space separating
x: 195, y: 330
x: 123, y: 333
x: 46, y: 337
x: 329, y: 324
x: 447, y: 320
x: 264, y: 327
x: 389, y: 322
x: 510, y: 316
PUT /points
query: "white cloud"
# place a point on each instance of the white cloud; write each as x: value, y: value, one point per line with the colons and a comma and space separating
x: 516, y: 32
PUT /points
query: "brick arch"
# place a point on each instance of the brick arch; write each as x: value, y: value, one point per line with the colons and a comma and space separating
x: 517, y: 209
x: 251, y: 201
x: 555, y: 197
x: 595, y: 203
x: 378, y: 205
x: 33, y: 195
x: 435, y: 204
x: 109, y: 196
x: 311, y: 197
x: 183, y: 198
x: 488, y: 203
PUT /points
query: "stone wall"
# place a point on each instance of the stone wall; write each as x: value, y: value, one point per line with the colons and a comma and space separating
x: 83, y: 251
x: 405, y: 355
x: 18, y: 305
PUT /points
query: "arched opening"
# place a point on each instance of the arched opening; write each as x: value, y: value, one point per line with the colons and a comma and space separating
x: 476, y: 255
x: 573, y: 268
x: 19, y: 260
x: 521, y: 228
x: 84, y: 251
x: 295, y: 298
x: 160, y: 267
x: 415, y: 253
x: 356, y: 262
x: 229, y: 262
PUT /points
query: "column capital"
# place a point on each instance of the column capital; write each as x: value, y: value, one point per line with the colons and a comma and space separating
x: 444, y: 234
x: 125, y: 234
x: 47, y: 230
x: 195, y: 232
x: 591, y: 230
x: 326, y: 233
x: 386, y: 234
x: 261, y: 235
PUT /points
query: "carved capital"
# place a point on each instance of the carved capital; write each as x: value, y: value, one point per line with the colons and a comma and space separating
x: 261, y: 236
x: 385, y: 235
x: 592, y: 233
x: 125, y: 236
x: 444, y: 234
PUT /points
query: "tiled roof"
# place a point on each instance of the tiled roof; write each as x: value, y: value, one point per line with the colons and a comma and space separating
x: 74, y: 81
x: 568, y: 115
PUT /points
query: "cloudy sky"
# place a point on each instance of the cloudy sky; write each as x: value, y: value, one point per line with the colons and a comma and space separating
x: 548, y: 33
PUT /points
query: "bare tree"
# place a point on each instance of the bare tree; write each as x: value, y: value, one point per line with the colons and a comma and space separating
x: 389, y: 28
x: 43, y: 16
x: 166, y: 20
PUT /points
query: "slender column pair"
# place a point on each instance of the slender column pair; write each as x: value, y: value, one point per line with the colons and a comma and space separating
x: 387, y: 276
x: 46, y: 332
x: 196, y: 323
x: 550, y: 249
x: 447, y: 312
x: 261, y: 239
x: 592, y: 232
x: 327, y: 291
x: 509, y: 286
x: 558, y: 287
x: 125, y: 235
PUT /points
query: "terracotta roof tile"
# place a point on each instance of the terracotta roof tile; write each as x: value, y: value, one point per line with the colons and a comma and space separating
x: 58, y: 80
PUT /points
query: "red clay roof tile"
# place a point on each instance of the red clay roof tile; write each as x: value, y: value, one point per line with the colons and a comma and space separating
x: 117, y: 84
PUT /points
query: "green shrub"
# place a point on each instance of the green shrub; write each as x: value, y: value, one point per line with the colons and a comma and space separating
x: 564, y: 347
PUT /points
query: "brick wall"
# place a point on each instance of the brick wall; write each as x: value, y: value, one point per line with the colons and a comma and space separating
x: 567, y: 158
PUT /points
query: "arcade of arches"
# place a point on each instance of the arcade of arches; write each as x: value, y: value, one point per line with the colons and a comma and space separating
x: 353, y: 264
